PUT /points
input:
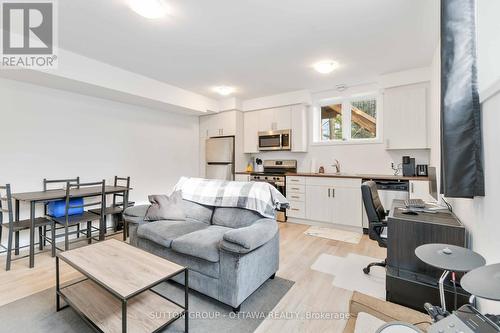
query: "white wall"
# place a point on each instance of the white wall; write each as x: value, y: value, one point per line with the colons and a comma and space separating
x: 433, y: 117
x: 488, y: 42
x: 480, y: 215
x: 57, y: 134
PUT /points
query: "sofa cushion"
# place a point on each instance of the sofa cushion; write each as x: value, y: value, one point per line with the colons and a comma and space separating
x: 163, y: 232
x: 234, y: 217
x: 197, y: 212
x: 202, y: 244
x: 202, y: 266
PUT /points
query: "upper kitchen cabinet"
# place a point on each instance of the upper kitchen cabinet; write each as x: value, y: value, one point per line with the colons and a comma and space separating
x: 299, y: 128
x: 281, y: 118
x: 274, y: 119
x: 405, y: 117
x: 218, y: 124
x: 251, y: 130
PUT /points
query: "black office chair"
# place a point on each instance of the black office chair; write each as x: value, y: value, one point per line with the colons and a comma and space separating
x: 376, y: 217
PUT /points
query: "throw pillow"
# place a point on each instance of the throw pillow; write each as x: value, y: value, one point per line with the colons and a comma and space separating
x: 164, y: 207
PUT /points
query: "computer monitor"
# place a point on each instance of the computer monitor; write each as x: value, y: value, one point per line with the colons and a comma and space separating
x: 433, y: 190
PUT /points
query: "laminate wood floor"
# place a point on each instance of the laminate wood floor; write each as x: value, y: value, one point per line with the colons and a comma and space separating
x: 307, y: 307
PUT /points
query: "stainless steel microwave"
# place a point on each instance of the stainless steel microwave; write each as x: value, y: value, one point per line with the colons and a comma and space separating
x: 275, y: 140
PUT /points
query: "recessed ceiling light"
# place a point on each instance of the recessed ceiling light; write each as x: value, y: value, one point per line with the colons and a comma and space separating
x: 224, y: 90
x: 325, y: 67
x: 151, y: 9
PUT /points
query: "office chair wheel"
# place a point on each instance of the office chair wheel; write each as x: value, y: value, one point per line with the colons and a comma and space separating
x: 366, y: 270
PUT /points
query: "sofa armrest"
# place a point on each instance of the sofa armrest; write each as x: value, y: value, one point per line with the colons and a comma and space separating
x: 247, y: 239
x: 135, y: 214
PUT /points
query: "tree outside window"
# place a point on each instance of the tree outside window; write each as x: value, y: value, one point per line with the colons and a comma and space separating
x: 349, y: 120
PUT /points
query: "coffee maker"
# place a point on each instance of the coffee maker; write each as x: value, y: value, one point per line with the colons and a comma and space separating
x: 408, y: 166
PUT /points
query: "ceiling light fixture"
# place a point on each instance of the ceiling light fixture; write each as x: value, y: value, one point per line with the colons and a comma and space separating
x: 224, y: 90
x: 151, y: 9
x: 325, y: 67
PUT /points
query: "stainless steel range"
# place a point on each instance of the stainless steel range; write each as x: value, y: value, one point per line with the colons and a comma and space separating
x: 274, y: 174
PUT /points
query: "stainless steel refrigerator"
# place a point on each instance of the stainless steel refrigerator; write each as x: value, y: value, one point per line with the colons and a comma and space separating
x: 220, y: 158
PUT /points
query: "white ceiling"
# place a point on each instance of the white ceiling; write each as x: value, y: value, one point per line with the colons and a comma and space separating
x: 262, y: 47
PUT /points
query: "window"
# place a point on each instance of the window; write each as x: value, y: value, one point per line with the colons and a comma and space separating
x: 350, y: 119
x: 364, y: 119
x: 331, y: 122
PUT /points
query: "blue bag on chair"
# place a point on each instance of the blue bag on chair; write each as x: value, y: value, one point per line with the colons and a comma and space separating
x: 58, y: 208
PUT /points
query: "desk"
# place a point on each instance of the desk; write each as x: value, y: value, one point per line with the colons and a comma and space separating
x: 53, y: 195
x: 410, y: 281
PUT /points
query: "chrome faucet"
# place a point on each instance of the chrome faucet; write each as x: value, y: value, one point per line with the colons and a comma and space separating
x: 337, y: 166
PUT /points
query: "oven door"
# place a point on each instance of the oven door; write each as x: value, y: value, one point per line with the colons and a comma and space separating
x: 269, y: 141
x: 280, y: 186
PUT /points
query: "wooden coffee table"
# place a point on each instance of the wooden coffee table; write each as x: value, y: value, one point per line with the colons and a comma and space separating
x: 115, y: 294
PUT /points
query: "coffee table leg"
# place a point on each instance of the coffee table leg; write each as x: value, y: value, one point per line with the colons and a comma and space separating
x: 124, y: 316
x: 186, y: 300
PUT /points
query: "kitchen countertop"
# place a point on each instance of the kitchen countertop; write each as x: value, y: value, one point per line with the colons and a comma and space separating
x: 345, y: 175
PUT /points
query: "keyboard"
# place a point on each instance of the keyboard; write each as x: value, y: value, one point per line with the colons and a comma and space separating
x: 415, y: 203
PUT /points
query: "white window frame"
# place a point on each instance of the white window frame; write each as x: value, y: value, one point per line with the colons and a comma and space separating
x: 346, y: 119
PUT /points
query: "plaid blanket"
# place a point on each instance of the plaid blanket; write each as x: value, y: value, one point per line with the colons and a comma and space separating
x: 259, y: 197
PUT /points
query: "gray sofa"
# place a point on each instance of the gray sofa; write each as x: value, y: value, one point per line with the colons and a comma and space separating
x: 230, y: 252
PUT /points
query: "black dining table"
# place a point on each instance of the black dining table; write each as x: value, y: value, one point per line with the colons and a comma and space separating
x: 32, y: 198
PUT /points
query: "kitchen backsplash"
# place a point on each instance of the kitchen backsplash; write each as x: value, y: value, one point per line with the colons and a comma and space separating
x: 353, y: 158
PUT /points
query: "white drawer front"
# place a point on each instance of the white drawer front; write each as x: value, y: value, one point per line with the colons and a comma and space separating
x: 297, y: 209
x: 296, y: 197
x: 295, y: 188
x: 331, y: 181
x: 295, y: 180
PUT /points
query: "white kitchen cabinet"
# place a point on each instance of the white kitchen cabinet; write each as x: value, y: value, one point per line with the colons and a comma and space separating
x: 296, y: 195
x: 204, y: 122
x: 242, y: 178
x: 295, y: 180
x: 297, y: 209
x: 202, y: 161
x: 419, y: 189
x: 250, y: 132
x: 334, y: 200
x: 265, y: 119
x: 218, y: 124
x: 281, y: 118
x: 298, y: 124
x: 274, y: 119
x: 319, y: 205
x: 347, y: 206
x: 405, y: 114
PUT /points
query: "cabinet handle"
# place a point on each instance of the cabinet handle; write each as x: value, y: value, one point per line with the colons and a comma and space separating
x: 295, y: 188
x: 329, y: 193
x: 296, y: 209
x: 295, y: 197
x: 333, y: 193
x: 412, y: 187
x: 294, y: 180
